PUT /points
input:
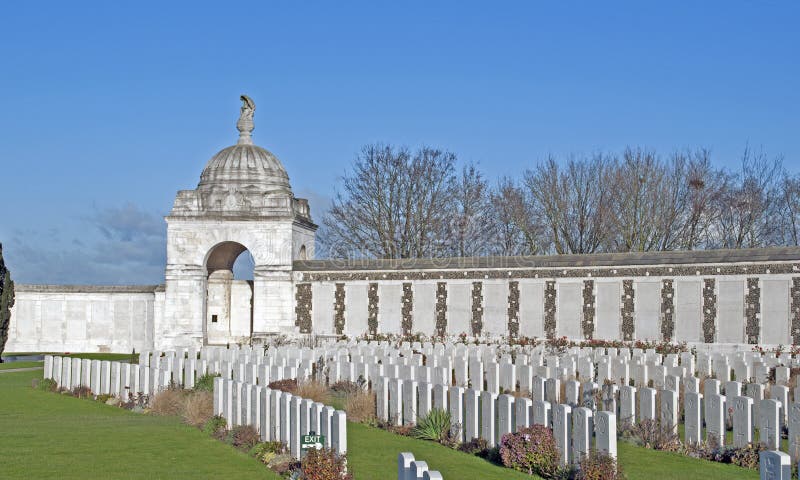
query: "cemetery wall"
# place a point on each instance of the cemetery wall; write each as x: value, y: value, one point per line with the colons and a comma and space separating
x: 722, y: 296
x: 63, y: 318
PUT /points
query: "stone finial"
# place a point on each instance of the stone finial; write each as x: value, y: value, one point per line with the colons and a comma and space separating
x: 245, y: 123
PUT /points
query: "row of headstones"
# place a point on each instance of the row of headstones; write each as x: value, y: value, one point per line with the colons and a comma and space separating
x: 261, y: 373
x: 482, y: 414
x: 409, y: 468
x: 279, y: 416
x: 105, y: 377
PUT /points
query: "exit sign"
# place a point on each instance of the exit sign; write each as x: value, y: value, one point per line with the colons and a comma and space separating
x: 312, y: 440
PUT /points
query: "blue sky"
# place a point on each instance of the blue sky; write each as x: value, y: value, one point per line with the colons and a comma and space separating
x: 108, y: 110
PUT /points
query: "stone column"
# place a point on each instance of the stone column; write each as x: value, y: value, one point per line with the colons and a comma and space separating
x: 605, y: 431
x: 562, y: 426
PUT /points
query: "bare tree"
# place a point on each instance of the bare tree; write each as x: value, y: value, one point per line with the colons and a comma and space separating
x: 789, y: 209
x: 572, y: 201
x: 705, y: 188
x: 514, y: 230
x: 748, y: 214
x: 394, y: 204
x: 468, y: 229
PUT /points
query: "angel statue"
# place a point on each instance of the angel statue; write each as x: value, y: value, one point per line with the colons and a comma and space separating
x: 245, y: 123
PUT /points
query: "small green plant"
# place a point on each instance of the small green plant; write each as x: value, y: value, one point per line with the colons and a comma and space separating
x: 435, y: 426
x: 205, y: 383
x: 266, y: 452
x: 215, y: 424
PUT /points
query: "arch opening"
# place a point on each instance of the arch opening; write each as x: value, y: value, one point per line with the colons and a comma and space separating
x: 229, y: 294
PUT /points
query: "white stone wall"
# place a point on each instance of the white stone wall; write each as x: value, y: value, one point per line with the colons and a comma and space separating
x: 459, y: 307
x: 424, y: 311
x: 322, y: 307
x: 688, y: 306
x: 608, y: 300
x: 568, y: 310
x: 531, y: 308
x: 775, y: 311
x: 66, y: 319
x: 647, y: 299
x: 730, y: 311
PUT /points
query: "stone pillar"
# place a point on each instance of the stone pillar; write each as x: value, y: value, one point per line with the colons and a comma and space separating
x: 669, y: 410
x: 505, y: 415
x: 456, y: 395
x: 581, y: 433
x: 339, y: 432
x: 273, y: 299
x: 769, y: 426
x: 409, y: 402
x: 742, y: 420
x: 542, y: 414
x: 773, y: 465
x: 605, y: 431
x: 562, y: 426
x: 522, y: 417
x: 471, y: 414
x: 488, y: 415
x: 647, y: 404
x: 693, y: 427
x: 715, y: 419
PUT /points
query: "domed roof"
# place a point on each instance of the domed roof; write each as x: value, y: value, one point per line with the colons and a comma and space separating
x: 245, y: 164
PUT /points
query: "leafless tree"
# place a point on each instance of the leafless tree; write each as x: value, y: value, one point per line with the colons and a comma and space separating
x: 749, y: 208
x: 572, y: 202
x: 394, y: 204
x: 469, y: 222
x: 789, y: 209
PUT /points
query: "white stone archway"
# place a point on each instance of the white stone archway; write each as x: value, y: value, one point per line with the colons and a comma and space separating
x: 242, y: 202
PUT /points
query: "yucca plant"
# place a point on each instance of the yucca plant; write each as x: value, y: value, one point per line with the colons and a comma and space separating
x: 435, y: 426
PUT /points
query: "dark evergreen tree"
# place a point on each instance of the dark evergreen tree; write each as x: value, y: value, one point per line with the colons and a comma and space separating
x: 6, y: 302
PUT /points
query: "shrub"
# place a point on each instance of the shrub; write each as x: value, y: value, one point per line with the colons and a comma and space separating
x: 476, y: 446
x: 597, y: 466
x: 103, y: 398
x: 81, y: 392
x: 435, y: 426
x: 360, y: 406
x: 168, y: 402
x: 205, y: 383
x: 531, y: 450
x: 47, y: 385
x: 243, y: 436
x: 198, y: 408
x: 324, y: 464
x: 288, y: 385
x: 266, y: 452
x: 313, y: 391
x: 651, y: 434
x: 283, y: 464
x: 346, y: 387
x: 215, y: 424
x: 747, y: 457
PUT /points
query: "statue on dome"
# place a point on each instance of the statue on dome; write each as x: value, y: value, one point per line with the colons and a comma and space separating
x: 245, y: 123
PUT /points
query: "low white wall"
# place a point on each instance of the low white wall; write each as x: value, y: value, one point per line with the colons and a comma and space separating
x: 47, y: 318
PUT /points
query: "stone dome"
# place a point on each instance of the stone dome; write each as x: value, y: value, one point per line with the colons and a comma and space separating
x: 244, y: 165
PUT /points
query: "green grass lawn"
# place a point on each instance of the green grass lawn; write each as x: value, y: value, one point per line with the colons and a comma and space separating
x: 13, y: 365
x: 119, y: 357
x: 55, y: 436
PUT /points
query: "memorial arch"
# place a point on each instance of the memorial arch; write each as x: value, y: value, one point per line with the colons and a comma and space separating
x: 243, y: 203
